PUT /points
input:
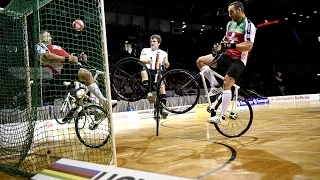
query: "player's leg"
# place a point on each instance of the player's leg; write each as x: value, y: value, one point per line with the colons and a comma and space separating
x: 144, y: 78
x: 163, y: 99
x: 86, y: 77
x: 150, y: 96
x: 234, y: 72
x: 203, y: 63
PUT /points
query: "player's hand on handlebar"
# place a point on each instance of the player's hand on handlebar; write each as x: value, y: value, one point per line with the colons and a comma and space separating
x: 73, y: 59
x: 83, y: 57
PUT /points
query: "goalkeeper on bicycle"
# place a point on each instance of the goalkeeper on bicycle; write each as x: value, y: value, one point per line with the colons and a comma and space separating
x: 65, y: 66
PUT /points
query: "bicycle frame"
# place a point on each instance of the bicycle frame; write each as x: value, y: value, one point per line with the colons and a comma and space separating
x: 66, y: 103
x: 213, y: 106
x: 157, y: 105
x: 79, y: 102
x: 201, y: 74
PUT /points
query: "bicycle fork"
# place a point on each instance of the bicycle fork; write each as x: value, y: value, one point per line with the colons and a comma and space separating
x: 206, y: 89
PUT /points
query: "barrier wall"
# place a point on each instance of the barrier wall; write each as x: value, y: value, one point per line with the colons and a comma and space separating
x: 143, y: 110
x: 201, y: 108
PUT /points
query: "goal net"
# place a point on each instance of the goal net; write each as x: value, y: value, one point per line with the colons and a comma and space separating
x: 30, y: 138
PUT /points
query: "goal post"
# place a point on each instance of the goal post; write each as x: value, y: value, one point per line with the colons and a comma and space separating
x: 31, y: 139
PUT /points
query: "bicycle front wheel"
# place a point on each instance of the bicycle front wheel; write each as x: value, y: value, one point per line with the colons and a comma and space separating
x: 92, y: 126
x: 126, y: 79
x: 238, y: 119
x: 183, y: 90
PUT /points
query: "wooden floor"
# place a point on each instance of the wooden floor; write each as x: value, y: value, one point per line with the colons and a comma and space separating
x: 282, y: 143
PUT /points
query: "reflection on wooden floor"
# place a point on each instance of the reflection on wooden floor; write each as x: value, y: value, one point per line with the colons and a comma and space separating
x: 282, y: 143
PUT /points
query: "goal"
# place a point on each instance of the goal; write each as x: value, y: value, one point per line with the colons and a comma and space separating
x: 30, y: 139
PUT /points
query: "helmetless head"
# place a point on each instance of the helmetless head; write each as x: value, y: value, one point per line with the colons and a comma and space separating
x: 155, y: 41
x: 236, y: 11
x: 45, y: 37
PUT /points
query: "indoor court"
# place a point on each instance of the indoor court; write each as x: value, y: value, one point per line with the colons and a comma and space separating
x: 86, y: 87
x: 282, y: 143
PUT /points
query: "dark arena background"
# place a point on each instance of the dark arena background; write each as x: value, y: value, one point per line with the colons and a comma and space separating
x: 280, y: 138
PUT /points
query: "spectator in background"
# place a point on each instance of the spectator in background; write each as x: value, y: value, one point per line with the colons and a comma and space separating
x: 281, y: 81
x: 130, y: 106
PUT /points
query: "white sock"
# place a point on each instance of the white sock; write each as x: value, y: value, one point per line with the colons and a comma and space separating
x: 209, y: 75
x: 226, y: 98
x: 94, y: 89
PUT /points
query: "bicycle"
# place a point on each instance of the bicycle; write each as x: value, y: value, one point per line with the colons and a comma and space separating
x: 128, y: 72
x: 80, y: 107
x: 158, y: 115
x: 190, y: 88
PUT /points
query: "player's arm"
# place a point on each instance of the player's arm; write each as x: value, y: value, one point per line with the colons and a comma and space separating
x: 43, y: 51
x: 244, y: 46
x: 53, y: 57
x: 249, y: 38
x: 217, y: 46
x: 60, y: 59
x: 166, y: 62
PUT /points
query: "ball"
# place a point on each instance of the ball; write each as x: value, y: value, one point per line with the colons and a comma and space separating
x: 78, y: 25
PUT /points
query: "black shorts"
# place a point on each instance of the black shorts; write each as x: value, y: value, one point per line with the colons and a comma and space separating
x: 234, y: 67
x: 153, y: 75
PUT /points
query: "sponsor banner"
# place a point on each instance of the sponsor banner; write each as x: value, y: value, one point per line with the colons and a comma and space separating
x: 126, y: 120
x: 74, y: 169
x: 125, y: 117
x: 254, y: 101
x: 305, y: 97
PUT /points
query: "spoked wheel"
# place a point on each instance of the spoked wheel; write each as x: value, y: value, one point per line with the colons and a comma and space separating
x: 184, y: 87
x: 126, y: 79
x: 92, y: 126
x: 238, y: 121
x: 62, y: 112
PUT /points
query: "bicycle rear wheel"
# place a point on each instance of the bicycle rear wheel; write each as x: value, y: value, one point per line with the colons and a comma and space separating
x: 237, y: 122
x: 183, y: 88
x: 126, y: 80
x: 92, y: 126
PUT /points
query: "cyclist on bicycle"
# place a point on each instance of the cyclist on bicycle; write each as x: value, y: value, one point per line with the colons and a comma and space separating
x: 65, y: 66
x: 150, y: 56
x: 237, y: 42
